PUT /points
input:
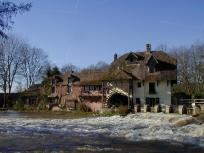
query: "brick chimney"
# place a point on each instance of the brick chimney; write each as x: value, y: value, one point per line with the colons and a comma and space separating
x: 115, y: 57
x: 148, y: 48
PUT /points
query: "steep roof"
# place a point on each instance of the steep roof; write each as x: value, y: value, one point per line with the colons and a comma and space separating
x: 117, y: 74
x: 84, y: 78
x: 158, y: 55
x: 32, y: 90
x: 122, y: 70
x: 91, y: 77
x: 139, y: 69
x: 164, y: 57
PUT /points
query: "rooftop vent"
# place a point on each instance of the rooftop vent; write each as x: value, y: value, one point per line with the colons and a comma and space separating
x: 148, y: 47
x: 115, y: 57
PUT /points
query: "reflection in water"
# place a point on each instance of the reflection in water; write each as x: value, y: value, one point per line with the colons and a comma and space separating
x: 144, y: 133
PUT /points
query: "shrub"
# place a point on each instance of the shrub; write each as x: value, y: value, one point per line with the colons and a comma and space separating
x: 43, y: 100
x: 41, y: 106
x: 19, y: 105
x: 108, y: 113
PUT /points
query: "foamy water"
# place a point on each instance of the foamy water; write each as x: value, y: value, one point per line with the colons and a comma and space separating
x: 134, y: 127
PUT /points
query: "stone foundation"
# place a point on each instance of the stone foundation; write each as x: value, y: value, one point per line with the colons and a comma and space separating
x: 169, y: 109
x: 182, y: 109
x: 146, y: 108
x: 157, y: 108
x: 137, y: 108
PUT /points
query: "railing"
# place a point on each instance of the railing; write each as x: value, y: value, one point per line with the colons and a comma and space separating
x: 190, y: 101
x: 92, y: 93
x: 3, y: 109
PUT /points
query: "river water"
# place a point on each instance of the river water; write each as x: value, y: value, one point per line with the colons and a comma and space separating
x: 135, y: 133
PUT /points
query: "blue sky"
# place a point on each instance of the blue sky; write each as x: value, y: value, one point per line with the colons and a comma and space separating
x: 83, y: 32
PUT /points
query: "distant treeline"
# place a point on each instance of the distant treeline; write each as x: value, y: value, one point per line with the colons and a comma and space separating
x: 190, y: 70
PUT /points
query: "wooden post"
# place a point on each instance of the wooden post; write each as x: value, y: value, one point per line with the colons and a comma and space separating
x: 102, y: 94
x: 128, y: 101
x: 129, y: 89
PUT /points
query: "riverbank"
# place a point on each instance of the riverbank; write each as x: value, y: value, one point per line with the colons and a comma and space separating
x: 3, y: 109
x: 75, y: 114
x: 50, y: 114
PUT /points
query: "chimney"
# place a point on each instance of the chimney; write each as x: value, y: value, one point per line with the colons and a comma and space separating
x: 115, y: 57
x: 148, y: 48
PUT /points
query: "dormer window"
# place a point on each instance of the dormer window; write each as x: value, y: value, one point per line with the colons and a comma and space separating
x: 152, y: 69
x: 152, y: 63
x: 131, y: 58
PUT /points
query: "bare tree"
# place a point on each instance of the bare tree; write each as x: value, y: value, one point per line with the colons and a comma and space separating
x: 17, y: 58
x: 68, y: 68
x: 100, y: 66
x: 19, y: 86
x: 9, y: 63
x: 183, y: 64
x: 34, y: 64
x: 190, y: 68
x: 7, y: 11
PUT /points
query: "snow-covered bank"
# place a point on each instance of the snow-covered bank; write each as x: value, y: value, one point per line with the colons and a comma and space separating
x: 134, y: 127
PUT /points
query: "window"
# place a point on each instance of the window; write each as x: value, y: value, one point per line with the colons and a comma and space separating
x: 69, y: 89
x: 100, y: 87
x: 91, y: 88
x: 147, y: 101
x: 53, y: 81
x: 131, y: 59
x: 157, y: 101
x: 152, y: 69
x: 152, y: 63
x: 152, y: 101
x: 152, y: 89
x: 97, y: 88
x: 69, y: 81
x: 137, y: 101
x: 86, y: 88
x: 69, y: 86
x: 139, y: 84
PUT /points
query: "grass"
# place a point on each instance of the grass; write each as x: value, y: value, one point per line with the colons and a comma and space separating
x: 108, y: 114
x: 58, y: 115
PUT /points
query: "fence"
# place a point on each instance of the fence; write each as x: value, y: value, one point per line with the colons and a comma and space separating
x: 189, y: 102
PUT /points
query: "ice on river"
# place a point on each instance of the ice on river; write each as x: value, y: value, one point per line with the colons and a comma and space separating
x: 134, y: 127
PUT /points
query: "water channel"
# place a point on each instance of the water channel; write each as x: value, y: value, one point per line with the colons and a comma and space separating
x: 135, y: 133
